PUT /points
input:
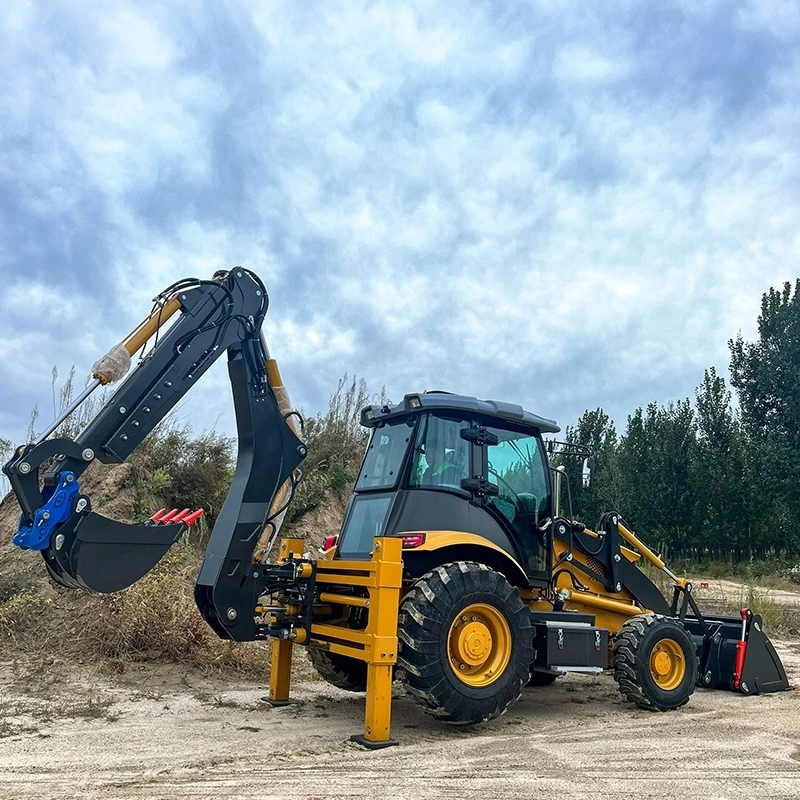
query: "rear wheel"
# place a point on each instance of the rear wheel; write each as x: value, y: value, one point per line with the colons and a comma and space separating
x: 655, y: 662
x: 342, y: 671
x: 465, y: 643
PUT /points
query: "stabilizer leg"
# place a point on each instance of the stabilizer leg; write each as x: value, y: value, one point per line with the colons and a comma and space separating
x: 382, y: 656
x: 280, y: 675
x: 378, y: 713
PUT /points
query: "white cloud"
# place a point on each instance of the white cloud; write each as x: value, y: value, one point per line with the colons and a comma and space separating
x: 509, y: 200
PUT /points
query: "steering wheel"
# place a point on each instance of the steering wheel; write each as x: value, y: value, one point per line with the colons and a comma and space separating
x: 520, y: 503
x: 505, y: 483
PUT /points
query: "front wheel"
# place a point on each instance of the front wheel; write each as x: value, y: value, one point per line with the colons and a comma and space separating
x: 543, y: 678
x: 465, y: 643
x: 655, y: 662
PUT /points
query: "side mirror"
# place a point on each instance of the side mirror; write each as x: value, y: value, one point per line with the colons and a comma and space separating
x: 588, y: 471
x: 480, y: 487
x: 479, y: 436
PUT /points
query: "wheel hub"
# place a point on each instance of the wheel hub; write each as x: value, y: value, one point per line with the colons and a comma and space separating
x: 474, y: 643
x: 479, y: 644
x: 667, y: 664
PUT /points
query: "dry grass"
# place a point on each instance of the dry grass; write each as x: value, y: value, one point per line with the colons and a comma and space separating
x: 156, y: 619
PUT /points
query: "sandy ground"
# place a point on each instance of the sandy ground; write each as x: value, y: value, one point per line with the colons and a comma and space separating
x: 156, y: 734
x: 723, y: 591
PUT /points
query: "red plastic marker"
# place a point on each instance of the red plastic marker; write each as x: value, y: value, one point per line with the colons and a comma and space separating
x: 180, y: 516
x: 741, y: 649
x: 168, y: 517
x: 192, y: 518
x: 157, y: 516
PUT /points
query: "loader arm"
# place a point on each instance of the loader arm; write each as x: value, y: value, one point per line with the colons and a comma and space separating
x: 83, y: 549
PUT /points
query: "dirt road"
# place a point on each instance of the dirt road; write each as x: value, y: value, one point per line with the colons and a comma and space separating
x: 733, y: 592
x: 150, y: 735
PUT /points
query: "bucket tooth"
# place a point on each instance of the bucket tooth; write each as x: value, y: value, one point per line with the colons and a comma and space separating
x: 193, y: 517
x: 180, y: 517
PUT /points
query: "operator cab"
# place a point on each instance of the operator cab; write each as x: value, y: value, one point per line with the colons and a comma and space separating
x: 450, y: 470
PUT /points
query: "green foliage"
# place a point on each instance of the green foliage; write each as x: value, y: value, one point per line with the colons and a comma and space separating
x: 766, y: 375
x: 336, y: 444
x: 711, y: 481
x: 654, y: 457
x: 595, y: 430
x: 178, y: 470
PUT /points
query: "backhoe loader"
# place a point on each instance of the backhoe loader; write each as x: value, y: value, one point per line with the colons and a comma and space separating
x: 456, y: 572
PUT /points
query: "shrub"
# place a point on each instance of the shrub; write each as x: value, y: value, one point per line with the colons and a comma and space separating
x: 176, y: 470
x: 336, y: 444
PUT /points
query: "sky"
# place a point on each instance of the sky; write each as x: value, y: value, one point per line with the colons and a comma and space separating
x: 566, y: 205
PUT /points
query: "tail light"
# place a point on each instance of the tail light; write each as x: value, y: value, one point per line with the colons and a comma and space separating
x: 328, y: 542
x: 411, y: 540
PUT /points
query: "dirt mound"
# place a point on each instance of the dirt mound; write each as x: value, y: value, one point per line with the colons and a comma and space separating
x: 111, y: 496
x: 324, y: 520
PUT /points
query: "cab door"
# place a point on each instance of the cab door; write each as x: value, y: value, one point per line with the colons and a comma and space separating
x: 517, y: 466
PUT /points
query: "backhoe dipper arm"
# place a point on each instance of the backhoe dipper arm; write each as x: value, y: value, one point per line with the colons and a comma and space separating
x: 82, y: 548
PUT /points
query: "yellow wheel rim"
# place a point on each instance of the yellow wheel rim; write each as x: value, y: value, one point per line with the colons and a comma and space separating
x: 479, y: 645
x: 667, y: 664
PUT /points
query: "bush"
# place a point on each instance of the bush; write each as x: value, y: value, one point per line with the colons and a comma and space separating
x: 335, y: 442
x: 21, y: 614
x: 175, y: 470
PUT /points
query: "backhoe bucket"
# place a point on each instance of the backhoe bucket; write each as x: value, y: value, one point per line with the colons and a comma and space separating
x: 105, y: 556
x: 735, y: 653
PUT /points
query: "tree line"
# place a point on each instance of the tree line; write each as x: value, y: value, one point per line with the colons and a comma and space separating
x: 717, y: 477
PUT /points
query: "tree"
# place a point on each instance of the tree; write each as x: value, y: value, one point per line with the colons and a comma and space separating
x: 767, y: 378
x: 595, y: 430
x: 722, y: 496
x: 655, y: 457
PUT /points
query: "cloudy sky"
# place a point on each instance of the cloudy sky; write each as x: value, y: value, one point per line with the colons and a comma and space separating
x: 561, y: 204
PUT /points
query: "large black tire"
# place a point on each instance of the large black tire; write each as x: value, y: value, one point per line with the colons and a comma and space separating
x: 543, y: 678
x: 464, y: 668
x: 655, y: 662
x: 342, y: 671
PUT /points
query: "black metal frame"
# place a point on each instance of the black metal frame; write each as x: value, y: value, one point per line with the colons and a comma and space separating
x: 90, y: 551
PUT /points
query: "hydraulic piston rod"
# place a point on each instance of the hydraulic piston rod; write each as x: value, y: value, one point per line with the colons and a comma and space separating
x: 115, y: 364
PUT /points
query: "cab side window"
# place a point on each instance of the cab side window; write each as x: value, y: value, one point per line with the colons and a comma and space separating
x: 517, y: 469
x: 441, y: 457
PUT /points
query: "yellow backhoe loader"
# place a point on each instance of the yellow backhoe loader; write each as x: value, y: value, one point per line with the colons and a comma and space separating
x: 456, y: 571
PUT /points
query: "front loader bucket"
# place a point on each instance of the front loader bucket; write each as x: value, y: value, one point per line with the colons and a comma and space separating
x: 719, y: 639
x: 105, y: 556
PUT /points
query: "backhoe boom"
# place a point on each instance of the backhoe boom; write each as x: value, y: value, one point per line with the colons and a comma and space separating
x: 83, y: 549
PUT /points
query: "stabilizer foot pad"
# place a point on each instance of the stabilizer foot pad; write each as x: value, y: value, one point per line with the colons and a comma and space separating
x: 370, y: 745
x: 279, y: 703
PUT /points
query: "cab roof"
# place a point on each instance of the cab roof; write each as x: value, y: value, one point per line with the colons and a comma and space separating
x: 460, y: 404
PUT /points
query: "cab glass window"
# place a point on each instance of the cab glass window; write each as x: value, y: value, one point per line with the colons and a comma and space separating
x: 365, y: 521
x: 441, y: 456
x: 384, y: 457
x: 517, y: 467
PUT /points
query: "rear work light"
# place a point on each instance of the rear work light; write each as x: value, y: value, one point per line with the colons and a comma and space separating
x: 413, y: 540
